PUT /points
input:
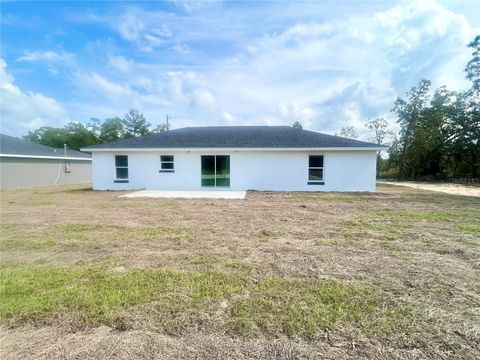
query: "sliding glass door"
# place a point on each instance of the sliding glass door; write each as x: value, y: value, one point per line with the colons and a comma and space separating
x: 215, y: 170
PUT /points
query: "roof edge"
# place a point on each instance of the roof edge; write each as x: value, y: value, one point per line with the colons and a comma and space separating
x: 46, y: 157
x: 238, y: 149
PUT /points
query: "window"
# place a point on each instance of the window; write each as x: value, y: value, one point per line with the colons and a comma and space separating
x: 315, y: 170
x: 166, y: 163
x: 121, y: 168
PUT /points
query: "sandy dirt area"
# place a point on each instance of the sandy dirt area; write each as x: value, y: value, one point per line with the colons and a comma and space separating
x: 454, y: 189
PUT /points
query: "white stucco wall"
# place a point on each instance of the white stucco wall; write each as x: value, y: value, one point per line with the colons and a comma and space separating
x: 249, y: 170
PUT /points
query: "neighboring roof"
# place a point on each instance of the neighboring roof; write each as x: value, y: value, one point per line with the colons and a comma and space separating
x: 15, y: 147
x: 236, y: 137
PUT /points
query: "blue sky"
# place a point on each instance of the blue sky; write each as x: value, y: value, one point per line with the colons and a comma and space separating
x: 326, y: 64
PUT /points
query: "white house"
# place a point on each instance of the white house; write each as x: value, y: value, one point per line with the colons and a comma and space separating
x: 277, y: 158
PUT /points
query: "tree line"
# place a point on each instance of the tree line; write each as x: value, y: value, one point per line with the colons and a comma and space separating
x: 77, y: 135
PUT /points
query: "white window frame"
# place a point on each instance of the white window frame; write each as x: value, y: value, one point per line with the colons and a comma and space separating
x: 162, y: 170
x: 121, y: 167
x: 316, y: 182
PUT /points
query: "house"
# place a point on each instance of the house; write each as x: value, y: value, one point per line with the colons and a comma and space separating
x: 24, y: 164
x: 277, y: 158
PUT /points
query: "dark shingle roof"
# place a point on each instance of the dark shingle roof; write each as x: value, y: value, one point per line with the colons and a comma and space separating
x: 236, y: 137
x: 10, y: 145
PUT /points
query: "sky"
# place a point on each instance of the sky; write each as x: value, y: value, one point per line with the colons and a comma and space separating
x: 327, y: 64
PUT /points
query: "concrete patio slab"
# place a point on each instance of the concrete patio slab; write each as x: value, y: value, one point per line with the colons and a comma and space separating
x: 188, y: 194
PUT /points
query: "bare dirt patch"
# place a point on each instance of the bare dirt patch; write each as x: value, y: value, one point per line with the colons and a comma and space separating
x: 454, y: 189
x: 392, y: 274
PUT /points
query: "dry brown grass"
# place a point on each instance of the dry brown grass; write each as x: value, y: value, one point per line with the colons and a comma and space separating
x: 411, y: 257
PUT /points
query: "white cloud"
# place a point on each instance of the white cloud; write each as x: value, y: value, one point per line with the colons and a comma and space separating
x: 138, y: 26
x: 130, y: 26
x: 293, y: 112
x: 229, y: 118
x: 119, y: 63
x: 193, y: 5
x: 203, y: 98
x: 180, y: 48
x: 48, y: 56
x: 153, y: 40
x: 97, y: 84
x: 424, y: 39
x: 23, y: 111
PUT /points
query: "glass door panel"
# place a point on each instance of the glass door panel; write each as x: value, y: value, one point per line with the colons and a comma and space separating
x: 222, y: 174
x: 208, y: 171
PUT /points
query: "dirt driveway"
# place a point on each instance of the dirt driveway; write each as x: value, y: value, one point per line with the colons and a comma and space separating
x: 453, y: 189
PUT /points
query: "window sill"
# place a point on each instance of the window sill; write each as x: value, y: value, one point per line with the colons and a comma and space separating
x: 120, y: 181
x: 166, y: 171
x: 316, y: 183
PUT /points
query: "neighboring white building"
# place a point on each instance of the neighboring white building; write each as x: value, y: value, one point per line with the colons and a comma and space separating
x: 277, y: 158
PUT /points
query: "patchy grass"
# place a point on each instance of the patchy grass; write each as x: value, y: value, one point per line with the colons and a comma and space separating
x: 266, y: 235
x: 369, y: 224
x: 445, y: 216
x: 325, y: 242
x: 158, y: 233
x: 391, y: 274
x: 132, y: 204
x: 203, y: 259
x: 298, y: 309
x: 32, y: 244
x: 472, y: 228
x: 97, y: 295
x: 238, y: 265
x: 88, y: 236
x: 334, y: 197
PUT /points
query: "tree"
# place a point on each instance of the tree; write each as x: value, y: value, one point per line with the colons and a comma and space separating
x: 297, y: 125
x: 349, y: 132
x: 409, y: 112
x: 111, y: 130
x: 94, y: 125
x: 461, y: 130
x: 74, y: 135
x: 473, y: 66
x: 47, y: 135
x: 78, y: 136
x: 135, y: 124
x: 379, y: 127
x: 161, y: 128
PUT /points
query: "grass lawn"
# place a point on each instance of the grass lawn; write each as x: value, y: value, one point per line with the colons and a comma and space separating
x: 394, y: 274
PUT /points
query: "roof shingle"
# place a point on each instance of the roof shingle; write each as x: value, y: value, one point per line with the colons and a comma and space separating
x: 10, y: 145
x: 236, y: 137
